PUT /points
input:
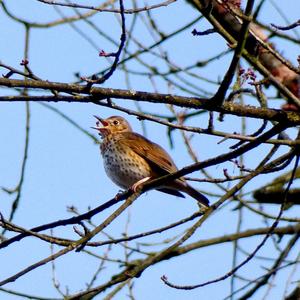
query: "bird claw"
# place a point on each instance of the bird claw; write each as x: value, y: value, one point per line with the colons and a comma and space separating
x: 136, y: 185
x: 119, y: 195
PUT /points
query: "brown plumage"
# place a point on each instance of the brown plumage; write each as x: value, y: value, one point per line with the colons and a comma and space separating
x: 130, y: 159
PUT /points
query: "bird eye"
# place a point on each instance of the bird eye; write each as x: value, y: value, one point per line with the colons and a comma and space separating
x: 116, y: 122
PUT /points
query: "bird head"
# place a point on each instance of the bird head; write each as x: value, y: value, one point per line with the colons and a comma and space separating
x: 114, y: 124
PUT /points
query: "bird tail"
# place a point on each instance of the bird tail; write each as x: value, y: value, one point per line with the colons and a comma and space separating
x: 171, y: 192
x: 194, y: 193
x: 197, y: 195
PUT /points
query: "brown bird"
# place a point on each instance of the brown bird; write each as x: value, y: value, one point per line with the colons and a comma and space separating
x: 130, y: 159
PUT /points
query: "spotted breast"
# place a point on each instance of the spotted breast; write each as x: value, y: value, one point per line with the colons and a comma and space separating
x: 123, y: 166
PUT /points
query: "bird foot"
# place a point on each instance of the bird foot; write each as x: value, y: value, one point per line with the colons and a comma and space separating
x: 136, y: 185
x: 119, y: 195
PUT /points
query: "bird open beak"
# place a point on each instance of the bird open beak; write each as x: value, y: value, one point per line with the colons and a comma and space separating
x: 100, y: 126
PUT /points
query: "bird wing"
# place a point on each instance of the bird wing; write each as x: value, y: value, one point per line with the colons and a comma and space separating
x: 154, y: 154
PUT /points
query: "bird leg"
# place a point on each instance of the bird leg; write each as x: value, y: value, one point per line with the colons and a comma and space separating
x: 138, y: 183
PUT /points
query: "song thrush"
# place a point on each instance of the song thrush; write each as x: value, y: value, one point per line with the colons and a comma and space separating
x: 130, y: 159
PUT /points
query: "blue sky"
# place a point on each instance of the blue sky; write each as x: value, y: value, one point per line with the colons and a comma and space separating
x: 64, y: 166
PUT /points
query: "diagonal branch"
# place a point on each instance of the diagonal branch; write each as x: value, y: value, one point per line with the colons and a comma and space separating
x: 218, y: 98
